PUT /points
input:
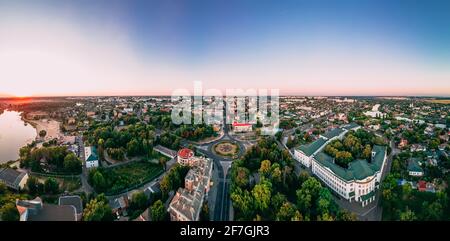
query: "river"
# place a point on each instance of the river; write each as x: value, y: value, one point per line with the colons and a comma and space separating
x: 14, y: 133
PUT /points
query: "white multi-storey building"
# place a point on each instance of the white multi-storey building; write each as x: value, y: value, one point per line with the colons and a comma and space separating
x: 356, y: 183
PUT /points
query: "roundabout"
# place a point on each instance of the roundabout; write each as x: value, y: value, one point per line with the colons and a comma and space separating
x: 226, y: 149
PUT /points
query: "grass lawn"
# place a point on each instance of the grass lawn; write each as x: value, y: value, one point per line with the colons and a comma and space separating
x: 69, y: 184
x: 130, y: 176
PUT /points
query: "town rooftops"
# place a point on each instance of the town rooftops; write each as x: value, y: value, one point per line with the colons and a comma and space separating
x: 312, y: 147
x: 11, y: 177
x: 241, y: 124
x: 333, y: 133
x: 185, y: 153
x: 358, y: 169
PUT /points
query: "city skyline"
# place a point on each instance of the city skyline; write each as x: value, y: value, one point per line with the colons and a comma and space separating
x: 345, y: 48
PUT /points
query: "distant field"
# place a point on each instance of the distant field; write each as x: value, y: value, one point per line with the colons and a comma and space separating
x: 439, y: 101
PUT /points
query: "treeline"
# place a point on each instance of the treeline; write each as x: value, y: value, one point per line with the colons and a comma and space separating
x: 56, y: 158
x: 401, y: 202
x: 134, y: 140
x: 265, y: 187
x: 195, y: 132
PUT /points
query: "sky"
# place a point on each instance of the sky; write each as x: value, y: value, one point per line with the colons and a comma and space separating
x: 152, y: 47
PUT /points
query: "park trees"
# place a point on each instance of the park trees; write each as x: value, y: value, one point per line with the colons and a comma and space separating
x: 51, y: 186
x: 287, y: 212
x: 240, y: 176
x: 9, y: 212
x: 72, y: 164
x: 98, y: 210
x: 158, y: 212
x: 262, y: 193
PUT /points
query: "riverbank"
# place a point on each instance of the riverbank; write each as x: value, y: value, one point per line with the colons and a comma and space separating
x: 52, y: 127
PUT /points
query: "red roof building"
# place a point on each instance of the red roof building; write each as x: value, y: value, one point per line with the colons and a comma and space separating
x: 422, y: 186
x: 241, y: 124
x: 185, y: 153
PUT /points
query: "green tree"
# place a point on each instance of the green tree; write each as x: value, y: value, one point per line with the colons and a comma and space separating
x: 286, y: 212
x: 243, y: 202
x: 307, y: 195
x: 98, y: 210
x: 101, y: 148
x: 297, y: 216
x: 240, y: 176
x: 158, y: 211
x: 72, y: 163
x: 407, y: 215
x: 3, y: 188
x: 139, y: 201
x: 98, y: 181
x: 344, y: 215
x: 51, y: 186
x: 262, y: 194
x: 42, y: 133
x: 9, y: 212
x: 32, y: 185
x: 162, y: 162
x: 367, y: 152
x: 265, y: 167
x: 433, y: 211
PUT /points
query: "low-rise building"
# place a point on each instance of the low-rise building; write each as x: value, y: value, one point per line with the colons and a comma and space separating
x: 36, y: 210
x: 241, y: 127
x: 13, y: 178
x: 90, y: 157
x: 414, y: 168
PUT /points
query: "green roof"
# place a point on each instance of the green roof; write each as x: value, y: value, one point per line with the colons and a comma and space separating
x: 358, y: 169
x: 413, y: 165
x: 333, y: 133
x: 350, y: 126
x: 361, y: 169
x: 93, y: 156
x: 312, y: 147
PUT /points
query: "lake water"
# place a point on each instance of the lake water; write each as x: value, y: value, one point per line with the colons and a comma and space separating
x: 14, y: 133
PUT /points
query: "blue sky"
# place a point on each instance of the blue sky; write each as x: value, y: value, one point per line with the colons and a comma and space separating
x: 248, y: 43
